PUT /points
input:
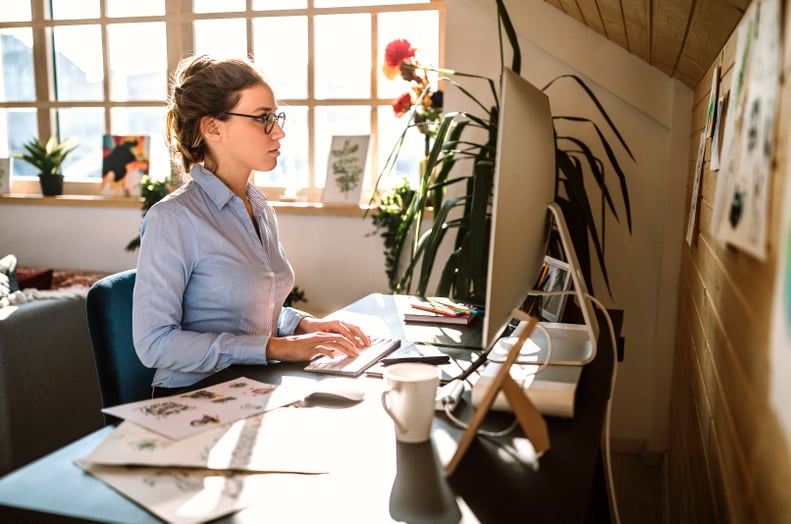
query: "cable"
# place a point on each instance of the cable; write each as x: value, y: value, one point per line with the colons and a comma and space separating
x: 608, y: 412
x: 449, y: 407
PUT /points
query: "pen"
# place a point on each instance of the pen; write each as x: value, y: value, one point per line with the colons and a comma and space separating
x: 426, y: 359
x: 438, y: 311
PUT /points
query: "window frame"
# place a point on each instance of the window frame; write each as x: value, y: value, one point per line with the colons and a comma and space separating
x: 179, y: 21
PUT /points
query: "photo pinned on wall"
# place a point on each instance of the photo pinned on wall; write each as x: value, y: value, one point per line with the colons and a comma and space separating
x: 126, y: 159
x: 346, y: 169
x: 556, y: 278
x: 5, y: 176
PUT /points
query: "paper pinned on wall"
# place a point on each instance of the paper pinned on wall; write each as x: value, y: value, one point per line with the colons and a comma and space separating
x: 743, y: 201
x: 711, y: 110
x: 693, y: 207
x: 732, y: 128
x: 714, y: 161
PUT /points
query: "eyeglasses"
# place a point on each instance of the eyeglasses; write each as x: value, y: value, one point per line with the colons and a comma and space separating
x: 267, y: 119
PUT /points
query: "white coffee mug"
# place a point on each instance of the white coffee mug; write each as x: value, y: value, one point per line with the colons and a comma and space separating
x: 409, y: 399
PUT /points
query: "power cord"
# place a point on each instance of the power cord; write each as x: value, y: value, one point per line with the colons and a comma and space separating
x: 464, y: 376
x: 494, y: 434
x: 608, y: 412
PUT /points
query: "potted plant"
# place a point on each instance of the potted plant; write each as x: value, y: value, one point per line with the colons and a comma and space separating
x: 463, y: 274
x: 48, y: 159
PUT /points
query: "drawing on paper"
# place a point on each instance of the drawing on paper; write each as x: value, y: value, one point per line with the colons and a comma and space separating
x: 188, y: 413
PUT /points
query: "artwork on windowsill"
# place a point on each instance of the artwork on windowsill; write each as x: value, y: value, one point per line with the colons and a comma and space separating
x: 125, y: 161
x: 346, y: 169
x: 5, y: 176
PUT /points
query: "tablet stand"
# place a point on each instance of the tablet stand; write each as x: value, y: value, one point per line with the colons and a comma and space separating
x: 530, y: 419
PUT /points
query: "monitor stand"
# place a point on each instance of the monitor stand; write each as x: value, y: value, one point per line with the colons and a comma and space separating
x: 572, y: 344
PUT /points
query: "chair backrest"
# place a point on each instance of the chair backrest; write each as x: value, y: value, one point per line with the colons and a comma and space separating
x: 122, y: 377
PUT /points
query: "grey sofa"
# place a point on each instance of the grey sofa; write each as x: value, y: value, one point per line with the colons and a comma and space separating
x: 49, y: 392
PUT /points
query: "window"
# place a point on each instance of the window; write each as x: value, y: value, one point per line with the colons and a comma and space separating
x: 103, y: 67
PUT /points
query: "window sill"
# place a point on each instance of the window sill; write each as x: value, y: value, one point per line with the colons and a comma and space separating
x: 286, y: 208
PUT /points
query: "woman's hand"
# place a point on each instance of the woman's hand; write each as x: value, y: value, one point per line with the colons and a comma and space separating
x: 318, y: 336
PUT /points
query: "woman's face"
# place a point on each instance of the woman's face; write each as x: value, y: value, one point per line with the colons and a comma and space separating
x: 245, y: 144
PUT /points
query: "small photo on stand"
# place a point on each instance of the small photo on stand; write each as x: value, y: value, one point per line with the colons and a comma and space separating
x: 5, y: 176
x: 125, y: 160
x: 558, y: 278
x: 346, y: 169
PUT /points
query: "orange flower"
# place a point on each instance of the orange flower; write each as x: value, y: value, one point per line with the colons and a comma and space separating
x: 397, y: 52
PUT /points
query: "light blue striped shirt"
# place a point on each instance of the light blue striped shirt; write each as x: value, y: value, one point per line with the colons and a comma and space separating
x: 209, y: 292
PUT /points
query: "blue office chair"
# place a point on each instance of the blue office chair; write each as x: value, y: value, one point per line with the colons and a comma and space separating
x: 122, y: 377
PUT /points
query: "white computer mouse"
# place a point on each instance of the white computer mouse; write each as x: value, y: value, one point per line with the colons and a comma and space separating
x: 338, y: 389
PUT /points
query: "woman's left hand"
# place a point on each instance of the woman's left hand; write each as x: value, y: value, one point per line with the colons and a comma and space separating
x: 345, y: 329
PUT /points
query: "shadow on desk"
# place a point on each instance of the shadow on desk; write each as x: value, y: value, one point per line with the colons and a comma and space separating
x: 420, y: 493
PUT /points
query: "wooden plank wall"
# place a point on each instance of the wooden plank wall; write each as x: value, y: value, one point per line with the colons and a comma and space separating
x: 728, y: 458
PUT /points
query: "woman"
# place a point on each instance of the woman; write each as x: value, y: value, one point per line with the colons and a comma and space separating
x: 211, y: 273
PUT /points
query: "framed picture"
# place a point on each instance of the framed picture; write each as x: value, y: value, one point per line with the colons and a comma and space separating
x: 5, y: 176
x: 346, y: 169
x: 558, y: 278
x: 125, y: 159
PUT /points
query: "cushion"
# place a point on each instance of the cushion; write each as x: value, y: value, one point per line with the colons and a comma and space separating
x: 8, y: 283
x: 39, y: 279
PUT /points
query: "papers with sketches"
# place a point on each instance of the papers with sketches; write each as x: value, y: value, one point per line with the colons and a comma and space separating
x: 280, y: 441
x: 180, y: 416
x: 186, y: 496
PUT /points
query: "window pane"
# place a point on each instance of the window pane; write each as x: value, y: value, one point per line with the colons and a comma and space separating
x: 338, y: 120
x: 134, y: 8
x: 271, y: 5
x: 233, y: 42
x: 343, y: 56
x: 411, y: 152
x: 292, y: 166
x: 17, y: 82
x: 84, y: 127
x: 17, y: 126
x: 71, y: 10
x: 213, y: 6
x: 138, y: 64
x: 352, y: 3
x: 287, y: 73
x: 78, y: 62
x: 420, y: 29
x: 15, y: 11
x: 144, y: 121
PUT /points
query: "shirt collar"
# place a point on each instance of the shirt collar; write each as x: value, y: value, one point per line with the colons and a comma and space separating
x: 217, y: 191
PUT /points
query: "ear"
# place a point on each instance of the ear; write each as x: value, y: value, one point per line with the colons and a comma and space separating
x: 211, y: 131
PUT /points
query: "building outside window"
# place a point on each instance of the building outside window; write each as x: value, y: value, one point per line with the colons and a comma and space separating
x: 79, y: 70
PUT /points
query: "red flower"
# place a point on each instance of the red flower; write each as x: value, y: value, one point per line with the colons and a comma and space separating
x: 402, y: 104
x: 397, y: 51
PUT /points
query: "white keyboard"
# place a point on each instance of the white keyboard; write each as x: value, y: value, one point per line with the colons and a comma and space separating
x: 353, y: 366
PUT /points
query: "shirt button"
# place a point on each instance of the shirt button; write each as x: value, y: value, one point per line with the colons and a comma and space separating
x: 271, y: 275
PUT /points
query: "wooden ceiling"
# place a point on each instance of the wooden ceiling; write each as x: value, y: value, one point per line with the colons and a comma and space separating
x: 680, y: 37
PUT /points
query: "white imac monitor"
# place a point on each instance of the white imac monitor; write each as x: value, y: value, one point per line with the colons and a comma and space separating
x: 522, y: 214
x: 524, y: 185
